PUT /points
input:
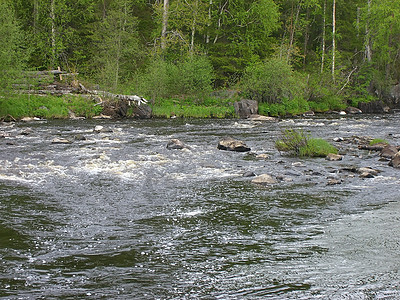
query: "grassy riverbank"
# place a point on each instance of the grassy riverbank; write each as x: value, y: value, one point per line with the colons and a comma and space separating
x: 184, y: 108
x: 16, y: 106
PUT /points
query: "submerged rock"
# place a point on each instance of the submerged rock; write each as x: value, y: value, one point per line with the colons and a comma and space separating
x: 231, y: 144
x: 261, y: 118
x: 176, y: 144
x: 103, y: 129
x: 334, y: 157
x: 264, y: 179
x: 334, y: 181
x: 249, y: 174
x: 60, y: 141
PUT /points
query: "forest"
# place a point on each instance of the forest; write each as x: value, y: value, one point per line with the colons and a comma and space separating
x: 289, y: 55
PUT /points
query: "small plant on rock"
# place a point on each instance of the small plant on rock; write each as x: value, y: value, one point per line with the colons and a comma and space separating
x: 378, y: 141
x: 298, y: 143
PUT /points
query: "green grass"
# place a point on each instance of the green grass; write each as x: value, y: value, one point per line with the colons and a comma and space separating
x: 46, y: 106
x: 317, y: 148
x: 297, y: 143
x: 378, y: 141
x: 184, y: 108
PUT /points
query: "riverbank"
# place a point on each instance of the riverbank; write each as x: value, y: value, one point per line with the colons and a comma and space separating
x: 15, y: 106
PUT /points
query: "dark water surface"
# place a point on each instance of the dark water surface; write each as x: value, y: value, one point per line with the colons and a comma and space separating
x: 118, y: 216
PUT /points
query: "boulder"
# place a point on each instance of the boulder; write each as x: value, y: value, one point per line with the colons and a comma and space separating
x: 374, y: 107
x: 264, y: 179
x: 365, y: 171
x: 333, y: 157
x: 176, y: 144
x: 353, y: 110
x: 388, y: 151
x: 334, y: 181
x: 231, y: 144
x: 245, y: 108
x: 263, y: 156
x: 142, y: 111
x: 395, y: 162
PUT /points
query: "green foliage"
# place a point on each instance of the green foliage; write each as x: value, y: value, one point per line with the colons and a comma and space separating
x: 292, y: 141
x: 287, y: 107
x: 11, y: 42
x: 317, y: 148
x: 167, y: 108
x: 117, y: 45
x: 49, y: 107
x: 378, y: 141
x: 272, y: 81
x: 298, y: 143
x: 191, y: 77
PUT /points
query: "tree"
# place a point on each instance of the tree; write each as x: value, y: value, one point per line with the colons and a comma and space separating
x: 116, y: 44
x: 11, y: 41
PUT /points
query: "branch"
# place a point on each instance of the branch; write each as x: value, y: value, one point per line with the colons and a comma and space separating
x: 347, y: 81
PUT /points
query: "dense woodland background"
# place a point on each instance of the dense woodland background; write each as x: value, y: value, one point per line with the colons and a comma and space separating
x: 325, y: 52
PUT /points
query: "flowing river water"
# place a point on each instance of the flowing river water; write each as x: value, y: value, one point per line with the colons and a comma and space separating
x: 119, y: 216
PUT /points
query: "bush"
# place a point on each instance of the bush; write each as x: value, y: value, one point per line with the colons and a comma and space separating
x: 317, y: 148
x: 272, y: 81
x: 298, y: 143
x: 287, y: 107
x: 192, y: 77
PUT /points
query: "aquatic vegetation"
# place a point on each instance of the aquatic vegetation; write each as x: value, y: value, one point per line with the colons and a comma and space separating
x: 298, y: 143
x: 378, y: 141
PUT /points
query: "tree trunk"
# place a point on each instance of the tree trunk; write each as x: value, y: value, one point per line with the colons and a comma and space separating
x: 164, y: 25
x: 209, y: 22
x: 306, y: 36
x: 368, y: 52
x: 293, y: 31
x: 333, y: 38
x: 323, y: 39
x: 35, y: 15
x: 53, y: 34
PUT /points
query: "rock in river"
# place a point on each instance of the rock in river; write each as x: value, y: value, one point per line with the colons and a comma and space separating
x: 231, y: 144
x: 333, y: 157
x: 389, y: 151
x: 264, y: 179
x: 395, y: 162
x: 60, y: 141
x: 176, y: 144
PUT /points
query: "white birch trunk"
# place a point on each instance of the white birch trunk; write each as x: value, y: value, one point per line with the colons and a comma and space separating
x: 164, y: 25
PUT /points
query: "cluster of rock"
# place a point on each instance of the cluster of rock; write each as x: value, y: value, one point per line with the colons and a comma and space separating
x: 387, y: 152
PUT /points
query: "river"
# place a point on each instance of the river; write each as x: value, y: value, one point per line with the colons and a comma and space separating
x: 119, y: 216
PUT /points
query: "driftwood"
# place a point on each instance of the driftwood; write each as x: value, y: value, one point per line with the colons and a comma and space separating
x: 128, y: 98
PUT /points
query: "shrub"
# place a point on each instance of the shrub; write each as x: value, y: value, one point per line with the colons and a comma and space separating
x: 317, y: 148
x: 298, y: 143
x: 292, y: 141
x: 272, y: 81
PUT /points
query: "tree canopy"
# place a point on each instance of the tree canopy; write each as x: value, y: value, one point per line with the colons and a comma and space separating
x: 114, y: 42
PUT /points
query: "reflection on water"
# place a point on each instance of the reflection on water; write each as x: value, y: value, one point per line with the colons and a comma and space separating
x: 119, y: 216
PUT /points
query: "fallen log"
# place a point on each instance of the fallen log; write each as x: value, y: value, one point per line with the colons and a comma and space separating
x: 129, y: 98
